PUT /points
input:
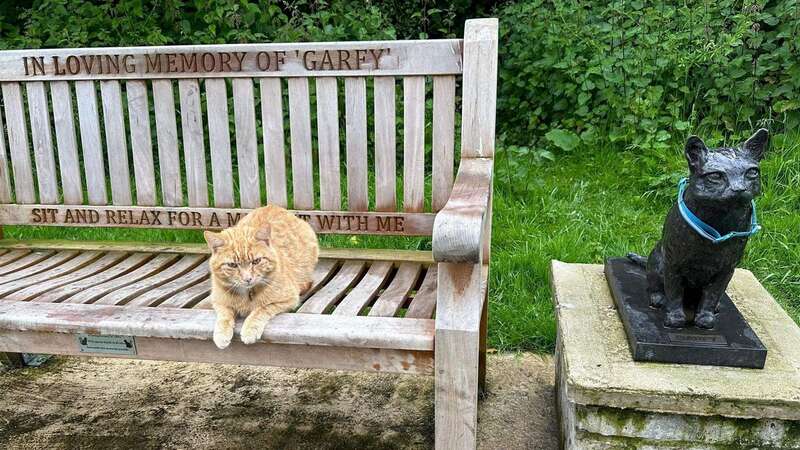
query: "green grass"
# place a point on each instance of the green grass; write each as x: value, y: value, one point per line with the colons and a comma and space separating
x: 583, y: 207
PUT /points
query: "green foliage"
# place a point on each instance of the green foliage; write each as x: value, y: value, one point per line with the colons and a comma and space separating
x: 643, y: 75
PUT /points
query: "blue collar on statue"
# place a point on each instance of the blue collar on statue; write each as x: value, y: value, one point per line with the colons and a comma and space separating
x: 706, y: 230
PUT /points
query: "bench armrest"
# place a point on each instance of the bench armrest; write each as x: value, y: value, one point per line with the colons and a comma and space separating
x: 459, y: 226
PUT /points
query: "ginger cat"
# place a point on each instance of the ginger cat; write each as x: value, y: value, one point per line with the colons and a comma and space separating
x: 259, y: 268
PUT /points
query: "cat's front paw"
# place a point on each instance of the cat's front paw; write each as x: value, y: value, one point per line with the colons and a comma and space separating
x: 706, y: 320
x: 675, y: 319
x: 222, y: 338
x: 251, y: 333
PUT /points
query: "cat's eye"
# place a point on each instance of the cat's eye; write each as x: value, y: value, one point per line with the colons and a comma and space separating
x: 714, y: 176
x: 232, y: 265
x: 752, y: 173
x: 257, y: 261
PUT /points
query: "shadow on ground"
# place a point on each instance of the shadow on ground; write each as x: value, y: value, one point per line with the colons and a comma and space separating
x: 108, y: 404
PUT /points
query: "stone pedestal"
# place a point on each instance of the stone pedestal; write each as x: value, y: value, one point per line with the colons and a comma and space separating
x: 606, y: 400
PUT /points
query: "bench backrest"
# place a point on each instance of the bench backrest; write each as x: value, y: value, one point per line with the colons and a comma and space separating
x: 194, y: 136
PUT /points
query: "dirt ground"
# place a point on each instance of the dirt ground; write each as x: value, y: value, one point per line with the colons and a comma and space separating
x: 124, y: 404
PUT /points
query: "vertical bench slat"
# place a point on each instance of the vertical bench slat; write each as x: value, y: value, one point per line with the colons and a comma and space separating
x: 18, y: 143
x: 244, y: 111
x: 93, y: 160
x: 116, y: 142
x: 42, y: 141
x: 356, y: 133
x: 414, y: 143
x: 330, y: 191
x: 167, y: 139
x: 385, y: 145
x: 193, y: 142
x: 219, y: 138
x: 66, y: 141
x: 302, y: 162
x: 272, y: 124
x: 141, y: 142
x: 479, y: 89
x: 444, y: 104
x: 5, y: 179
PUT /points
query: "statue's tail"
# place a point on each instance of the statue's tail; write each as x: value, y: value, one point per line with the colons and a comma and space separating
x: 637, y: 259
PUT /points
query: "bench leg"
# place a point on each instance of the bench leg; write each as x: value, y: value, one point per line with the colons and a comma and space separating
x: 13, y: 360
x: 457, y: 355
x: 482, y: 347
x: 456, y: 389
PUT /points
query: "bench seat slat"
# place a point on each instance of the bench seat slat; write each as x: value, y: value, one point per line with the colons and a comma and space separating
x: 392, y: 299
x: 96, y: 273
x: 190, y: 296
x: 12, y: 256
x: 104, y: 292
x: 168, y: 294
x: 366, y: 290
x: 176, y: 270
x: 347, y: 276
x: 25, y: 288
x: 423, y: 304
x: 26, y: 261
x: 289, y: 328
x: 42, y: 265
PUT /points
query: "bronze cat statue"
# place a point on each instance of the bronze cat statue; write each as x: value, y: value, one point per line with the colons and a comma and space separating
x: 705, y: 232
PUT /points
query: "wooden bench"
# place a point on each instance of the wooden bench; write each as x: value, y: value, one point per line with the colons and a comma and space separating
x: 143, y: 137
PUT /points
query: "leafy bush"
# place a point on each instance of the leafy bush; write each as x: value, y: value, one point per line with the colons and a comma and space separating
x: 643, y: 75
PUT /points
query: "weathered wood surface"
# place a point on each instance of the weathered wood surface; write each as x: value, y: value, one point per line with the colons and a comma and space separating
x: 424, y: 303
x: 330, y: 189
x: 300, y: 136
x: 356, y: 139
x: 335, y: 222
x: 193, y: 142
x: 246, y: 142
x: 42, y: 142
x: 366, y: 290
x: 459, y: 308
x: 116, y: 143
x: 393, y: 297
x: 458, y: 232
x: 289, y: 328
x: 141, y: 142
x: 21, y: 248
x: 272, y: 123
x: 167, y: 138
x: 74, y: 269
x: 18, y: 143
x: 385, y: 144
x: 219, y: 139
x: 444, y: 105
x: 66, y: 142
x: 428, y: 57
x: 375, y: 360
x: 333, y: 291
x: 413, y: 144
x: 91, y: 144
x: 479, y: 89
x: 5, y: 176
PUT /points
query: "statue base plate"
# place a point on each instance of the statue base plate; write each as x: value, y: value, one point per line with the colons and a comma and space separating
x: 731, y: 343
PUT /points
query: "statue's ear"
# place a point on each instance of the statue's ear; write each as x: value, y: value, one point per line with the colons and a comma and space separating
x: 214, y: 240
x: 696, y: 152
x: 757, y: 144
x: 264, y: 234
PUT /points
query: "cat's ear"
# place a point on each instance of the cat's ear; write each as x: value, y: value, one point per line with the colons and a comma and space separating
x: 696, y: 152
x: 757, y: 144
x: 264, y: 234
x: 214, y: 240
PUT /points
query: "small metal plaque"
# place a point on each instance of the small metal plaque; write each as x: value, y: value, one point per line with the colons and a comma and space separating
x: 712, y: 340
x: 115, y: 345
